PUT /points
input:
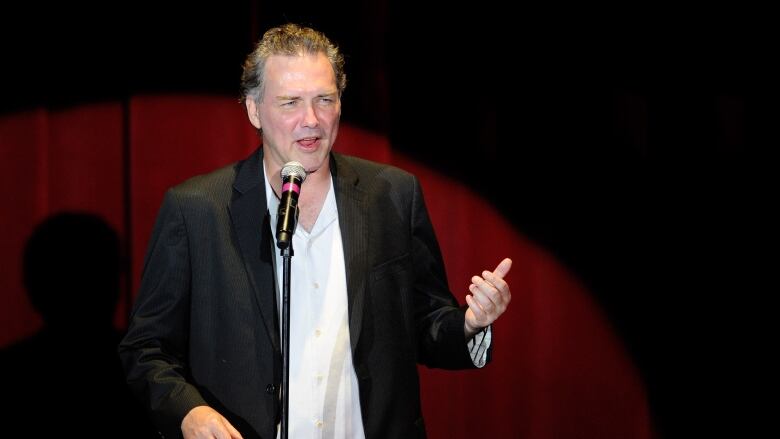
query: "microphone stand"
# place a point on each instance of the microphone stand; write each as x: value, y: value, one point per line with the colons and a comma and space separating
x: 286, y: 253
x: 292, y: 175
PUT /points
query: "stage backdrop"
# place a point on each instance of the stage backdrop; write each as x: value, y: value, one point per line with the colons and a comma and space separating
x: 558, y: 371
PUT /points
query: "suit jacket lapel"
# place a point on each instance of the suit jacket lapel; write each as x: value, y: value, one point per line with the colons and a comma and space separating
x: 350, y: 199
x: 249, y: 213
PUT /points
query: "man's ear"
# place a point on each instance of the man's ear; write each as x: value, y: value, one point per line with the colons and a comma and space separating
x: 251, y: 112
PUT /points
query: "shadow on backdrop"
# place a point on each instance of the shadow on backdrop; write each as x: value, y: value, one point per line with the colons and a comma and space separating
x: 67, y: 379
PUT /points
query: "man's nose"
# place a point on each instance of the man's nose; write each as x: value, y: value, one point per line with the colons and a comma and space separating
x: 310, y: 119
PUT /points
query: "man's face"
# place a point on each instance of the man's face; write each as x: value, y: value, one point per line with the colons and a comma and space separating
x: 300, y: 110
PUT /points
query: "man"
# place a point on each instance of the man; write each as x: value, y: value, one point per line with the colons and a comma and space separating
x: 369, y: 294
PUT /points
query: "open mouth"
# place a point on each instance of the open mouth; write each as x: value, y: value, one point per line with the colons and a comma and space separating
x: 308, y: 142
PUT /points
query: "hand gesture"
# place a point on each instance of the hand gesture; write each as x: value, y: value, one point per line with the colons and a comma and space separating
x: 489, y: 298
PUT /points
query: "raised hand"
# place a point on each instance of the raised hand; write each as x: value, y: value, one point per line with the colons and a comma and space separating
x: 489, y: 298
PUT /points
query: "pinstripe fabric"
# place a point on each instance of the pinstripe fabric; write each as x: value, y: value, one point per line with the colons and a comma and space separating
x: 354, y: 232
x: 204, y: 327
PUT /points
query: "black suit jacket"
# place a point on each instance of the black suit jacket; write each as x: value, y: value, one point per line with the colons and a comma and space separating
x: 204, y: 328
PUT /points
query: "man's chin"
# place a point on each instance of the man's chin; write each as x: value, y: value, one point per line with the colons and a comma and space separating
x: 314, y: 166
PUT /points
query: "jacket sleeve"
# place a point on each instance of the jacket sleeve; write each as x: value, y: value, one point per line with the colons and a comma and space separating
x: 154, y: 350
x: 440, y: 320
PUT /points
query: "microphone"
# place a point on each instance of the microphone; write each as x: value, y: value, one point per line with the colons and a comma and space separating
x: 293, y: 175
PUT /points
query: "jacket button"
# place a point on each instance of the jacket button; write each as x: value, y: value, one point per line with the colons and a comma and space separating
x: 269, y: 389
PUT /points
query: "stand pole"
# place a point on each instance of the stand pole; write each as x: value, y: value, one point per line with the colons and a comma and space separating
x: 286, y: 253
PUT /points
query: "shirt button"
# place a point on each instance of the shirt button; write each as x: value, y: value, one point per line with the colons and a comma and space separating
x: 317, y: 332
x: 316, y: 285
x: 318, y: 424
x: 319, y: 378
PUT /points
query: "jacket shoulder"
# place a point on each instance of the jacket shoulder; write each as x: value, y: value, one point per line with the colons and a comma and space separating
x: 369, y: 171
x: 213, y: 189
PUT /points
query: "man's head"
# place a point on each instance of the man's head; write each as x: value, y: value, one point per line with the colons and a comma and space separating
x: 291, y: 86
x: 289, y: 40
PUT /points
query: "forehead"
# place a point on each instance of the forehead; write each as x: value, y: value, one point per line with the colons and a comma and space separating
x: 300, y: 71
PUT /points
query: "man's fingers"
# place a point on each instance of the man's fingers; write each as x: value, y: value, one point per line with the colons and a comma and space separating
x: 489, y: 296
x: 482, y: 297
x: 503, y: 268
x: 479, y: 313
x: 234, y: 434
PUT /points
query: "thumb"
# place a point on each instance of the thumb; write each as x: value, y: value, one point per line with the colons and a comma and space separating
x: 503, y: 268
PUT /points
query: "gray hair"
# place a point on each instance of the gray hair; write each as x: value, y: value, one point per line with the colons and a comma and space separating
x: 289, y: 40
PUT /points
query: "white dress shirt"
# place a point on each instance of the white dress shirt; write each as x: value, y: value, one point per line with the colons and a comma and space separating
x: 324, y: 397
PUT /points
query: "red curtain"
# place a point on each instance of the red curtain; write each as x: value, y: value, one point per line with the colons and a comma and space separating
x: 53, y: 161
x: 559, y: 370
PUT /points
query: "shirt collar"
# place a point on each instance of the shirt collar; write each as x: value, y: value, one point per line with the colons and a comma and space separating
x: 328, y: 213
